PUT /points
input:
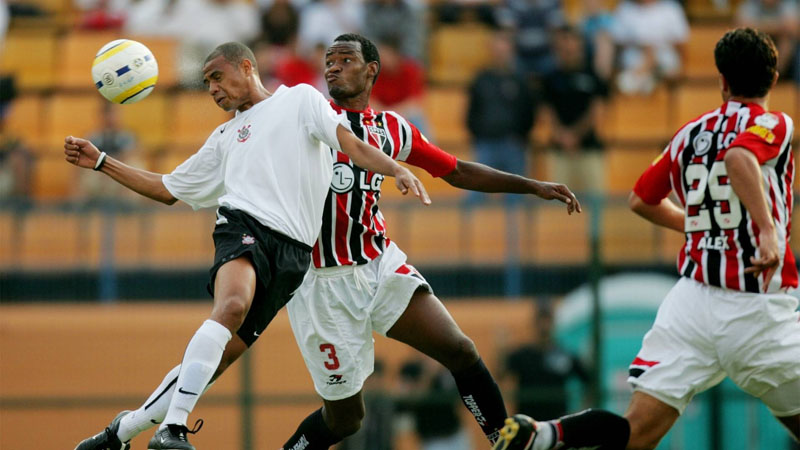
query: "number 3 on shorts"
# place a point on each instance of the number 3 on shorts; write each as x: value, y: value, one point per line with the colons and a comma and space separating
x: 333, y: 364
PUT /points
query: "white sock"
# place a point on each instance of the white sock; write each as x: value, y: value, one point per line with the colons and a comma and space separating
x: 153, y: 411
x: 154, y: 408
x: 201, y: 359
x: 546, y: 439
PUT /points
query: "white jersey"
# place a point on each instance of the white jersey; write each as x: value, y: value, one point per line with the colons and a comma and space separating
x: 272, y: 161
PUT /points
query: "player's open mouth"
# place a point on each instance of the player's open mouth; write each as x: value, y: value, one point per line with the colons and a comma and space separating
x: 219, y: 100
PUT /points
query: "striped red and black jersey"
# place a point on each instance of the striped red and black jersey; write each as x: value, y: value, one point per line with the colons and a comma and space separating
x: 353, y: 228
x: 721, y: 236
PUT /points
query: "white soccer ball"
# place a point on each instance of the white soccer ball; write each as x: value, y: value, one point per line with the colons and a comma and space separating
x: 124, y: 71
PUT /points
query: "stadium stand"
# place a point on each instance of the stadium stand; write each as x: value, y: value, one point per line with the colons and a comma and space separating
x: 549, y: 236
x: 179, y: 239
x: 53, y: 179
x: 76, y: 52
x: 57, y: 240
x: 25, y: 119
x: 149, y: 121
x: 457, y: 52
x: 75, y: 114
x: 29, y: 55
x: 194, y: 117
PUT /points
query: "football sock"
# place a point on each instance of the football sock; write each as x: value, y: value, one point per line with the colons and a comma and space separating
x: 153, y: 410
x: 594, y: 428
x: 140, y: 420
x: 200, y: 360
x: 312, y: 434
x: 482, y: 397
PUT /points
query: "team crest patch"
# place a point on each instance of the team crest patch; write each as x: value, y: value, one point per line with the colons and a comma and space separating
x: 248, y: 240
x: 377, y: 133
x: 244, y: 133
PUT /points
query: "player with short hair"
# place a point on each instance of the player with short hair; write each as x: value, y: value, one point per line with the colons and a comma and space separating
x: 354, y: 257
x: 361, y: 281
x: 730, y: 314
x: 268, y: 170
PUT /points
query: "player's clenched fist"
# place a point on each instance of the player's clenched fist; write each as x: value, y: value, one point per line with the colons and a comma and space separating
x: 80, y: 152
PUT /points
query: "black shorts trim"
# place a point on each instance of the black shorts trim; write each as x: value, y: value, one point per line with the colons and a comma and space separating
x: 280, y: 263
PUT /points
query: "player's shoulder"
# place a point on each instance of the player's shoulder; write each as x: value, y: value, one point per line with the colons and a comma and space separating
x: 772, y: 126
x: 303, y: 88
x: 687, y: 128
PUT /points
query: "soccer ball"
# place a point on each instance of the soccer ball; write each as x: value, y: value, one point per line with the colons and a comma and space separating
x: 124, y: 71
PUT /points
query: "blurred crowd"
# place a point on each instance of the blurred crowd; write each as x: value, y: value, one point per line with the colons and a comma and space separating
x: 545, y: 61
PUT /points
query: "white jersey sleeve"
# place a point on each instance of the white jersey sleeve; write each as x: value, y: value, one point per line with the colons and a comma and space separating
x: 320, y: 120
x: 200, y: 180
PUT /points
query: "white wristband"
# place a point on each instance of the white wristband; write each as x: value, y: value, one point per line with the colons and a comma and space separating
x: 100, y: 160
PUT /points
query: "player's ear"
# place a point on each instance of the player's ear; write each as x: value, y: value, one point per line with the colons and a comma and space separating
x: 246, y: 66
x: 372, y: 70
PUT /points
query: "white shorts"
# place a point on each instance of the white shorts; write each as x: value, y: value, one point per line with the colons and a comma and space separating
x: 703, y: 334
x: 335, y: 311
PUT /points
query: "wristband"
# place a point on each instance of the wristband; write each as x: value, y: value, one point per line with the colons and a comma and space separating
x: 100, y: 161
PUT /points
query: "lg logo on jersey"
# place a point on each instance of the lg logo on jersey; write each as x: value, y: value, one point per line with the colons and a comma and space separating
x: 344, y: 179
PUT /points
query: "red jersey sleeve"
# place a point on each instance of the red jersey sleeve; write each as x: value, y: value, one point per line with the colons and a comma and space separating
x: 425, y: 155
x: 763, y: 136
x: 654, y: 185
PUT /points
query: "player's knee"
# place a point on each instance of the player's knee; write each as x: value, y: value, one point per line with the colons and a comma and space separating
x: 346, y: 425
x: 231, y: 311
x: 641, y: 437
x: 462, y: 355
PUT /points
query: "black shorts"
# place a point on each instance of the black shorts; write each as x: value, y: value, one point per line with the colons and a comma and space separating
x: 280, y: 263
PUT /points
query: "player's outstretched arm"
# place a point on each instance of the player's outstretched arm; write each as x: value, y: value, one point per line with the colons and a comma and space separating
x: 744, y: 175
x: 82, y: 153
x: 372, y: 159
x: 479, y: 177
x: 665, y: 213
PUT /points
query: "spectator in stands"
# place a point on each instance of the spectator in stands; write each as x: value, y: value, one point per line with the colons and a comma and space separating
x: 280, y: 23
x: 465, y: 11
x: 222, y: 21
x: 16, y: 159
x: 297, y: 67
x: 651, y: 35
x: 533, y: 22
x: 5, y: 18
x: 428, y: 393
x: 151, y: 18
x: 781, y: 20
x: 542, y: 370
x: 500, y: 113
x: 112, y: 138
x: 401, y: 84
x: 102, y: 14
x: 396, y: 19
x: 323, y: 20
x: 573, y: 97
x: 597, y: 25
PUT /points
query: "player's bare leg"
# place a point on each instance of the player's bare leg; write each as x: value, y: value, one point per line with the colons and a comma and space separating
x: 784, y: 402
x: 427, y: 326
x: 792, y: 423
x: 650, y: 419
x: 152, y: 412
x: 234, y: 288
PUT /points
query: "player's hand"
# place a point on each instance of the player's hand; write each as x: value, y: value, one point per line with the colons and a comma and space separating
x: 560, y: 192
x: 406, y: 181
x: 80, y: 152
x: 767, y: 258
